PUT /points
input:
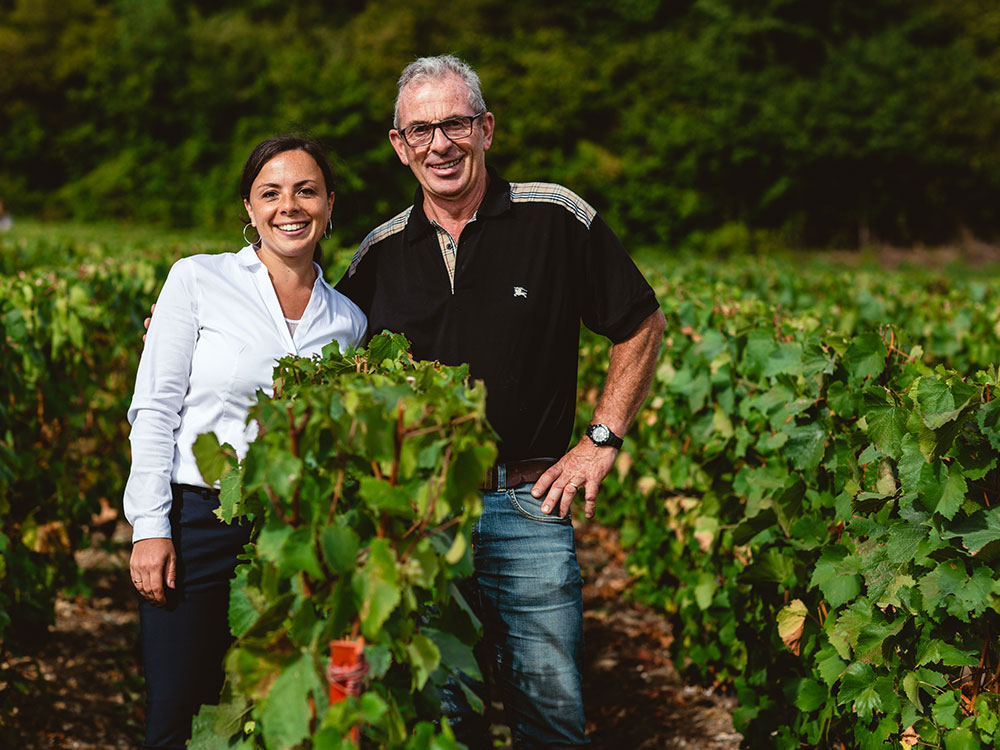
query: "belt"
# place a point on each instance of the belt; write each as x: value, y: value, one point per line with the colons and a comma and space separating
x: 207, y: 493
x: 502, y: 476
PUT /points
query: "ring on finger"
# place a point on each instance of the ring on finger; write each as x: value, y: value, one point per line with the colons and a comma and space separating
x: 573, y: 485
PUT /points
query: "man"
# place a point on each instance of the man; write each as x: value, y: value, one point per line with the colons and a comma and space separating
x: 499, y: 275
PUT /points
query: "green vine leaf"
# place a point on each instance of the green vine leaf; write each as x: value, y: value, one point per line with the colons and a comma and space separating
x: 976, y: 531
x: 857, y: 686
x: 424, y: 657
x: 945, y: 709
x: 284, y: 711
x: 865, y: 358
x: 340, y: 546
x: 886, y: 423
x: 214, y: 460
x: 988, y: 419
x: 377, y: 586
x: 943, y: 489
x: 836, y: 575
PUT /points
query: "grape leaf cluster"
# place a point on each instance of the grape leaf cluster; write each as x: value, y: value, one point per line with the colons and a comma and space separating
x: 819, y: 512
x: 363, y: 484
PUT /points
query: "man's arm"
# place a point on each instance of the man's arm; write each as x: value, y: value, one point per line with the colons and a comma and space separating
x: 630, y: 374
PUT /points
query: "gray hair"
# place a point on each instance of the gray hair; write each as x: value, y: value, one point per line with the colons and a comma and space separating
x: 439, y: 67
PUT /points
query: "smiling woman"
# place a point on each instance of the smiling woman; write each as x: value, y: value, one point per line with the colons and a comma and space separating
x: 287, y: 182
x: 220, y: 325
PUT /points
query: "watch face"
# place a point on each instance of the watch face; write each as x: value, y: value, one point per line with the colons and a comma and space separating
x: 600, y: 433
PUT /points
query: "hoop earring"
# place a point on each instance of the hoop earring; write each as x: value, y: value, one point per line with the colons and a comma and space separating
x: 248, y: 241
x: 329, y: 228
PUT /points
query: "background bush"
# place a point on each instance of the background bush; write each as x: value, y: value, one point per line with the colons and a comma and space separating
x: 830, y: 121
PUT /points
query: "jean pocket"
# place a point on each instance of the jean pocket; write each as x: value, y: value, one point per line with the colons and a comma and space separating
x: 531, y: 507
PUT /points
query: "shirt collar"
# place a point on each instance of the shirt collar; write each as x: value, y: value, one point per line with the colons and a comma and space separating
x: 495, y: 202
x: 248, y: 257
x: 497, y: 198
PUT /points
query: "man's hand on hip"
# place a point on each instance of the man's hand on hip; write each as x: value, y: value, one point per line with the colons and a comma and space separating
x: 581, y: 470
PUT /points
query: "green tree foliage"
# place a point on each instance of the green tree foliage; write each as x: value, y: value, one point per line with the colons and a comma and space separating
x: 828, y: 120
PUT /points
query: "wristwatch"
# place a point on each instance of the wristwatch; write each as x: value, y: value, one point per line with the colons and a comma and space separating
x: 601, y: 435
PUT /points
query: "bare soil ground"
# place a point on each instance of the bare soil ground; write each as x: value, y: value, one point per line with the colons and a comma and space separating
x: 84, y: 689
x: 633, y: 696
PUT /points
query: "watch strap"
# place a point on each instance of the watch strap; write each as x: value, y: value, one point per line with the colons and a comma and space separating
x: 611, y: 440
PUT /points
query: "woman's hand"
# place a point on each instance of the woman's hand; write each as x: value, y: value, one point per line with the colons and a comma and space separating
x: 153, y: 566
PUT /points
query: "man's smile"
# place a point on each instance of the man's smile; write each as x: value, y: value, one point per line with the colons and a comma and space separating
x: 446, y: 165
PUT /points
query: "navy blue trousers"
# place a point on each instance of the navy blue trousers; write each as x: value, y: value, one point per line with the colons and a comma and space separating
x: 184, y: 642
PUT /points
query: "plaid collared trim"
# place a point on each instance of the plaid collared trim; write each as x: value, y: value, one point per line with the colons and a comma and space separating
x: 548, y: 192
x: 448, y: 251
x: 393, y: 226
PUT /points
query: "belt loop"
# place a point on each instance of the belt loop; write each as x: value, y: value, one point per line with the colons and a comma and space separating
x: 501, y: 476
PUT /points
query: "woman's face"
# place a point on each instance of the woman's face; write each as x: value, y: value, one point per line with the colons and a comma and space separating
x: 289, y: 205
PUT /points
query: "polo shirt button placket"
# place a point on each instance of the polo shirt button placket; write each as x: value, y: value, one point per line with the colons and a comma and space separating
x: 453, y: 249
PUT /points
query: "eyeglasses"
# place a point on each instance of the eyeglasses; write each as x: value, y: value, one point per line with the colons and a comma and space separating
x: 454, y: 129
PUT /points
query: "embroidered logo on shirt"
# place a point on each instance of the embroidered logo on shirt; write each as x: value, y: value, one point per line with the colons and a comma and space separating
x: 520, y: 291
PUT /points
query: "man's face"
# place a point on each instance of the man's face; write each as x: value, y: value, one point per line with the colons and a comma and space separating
x: 449, y: 171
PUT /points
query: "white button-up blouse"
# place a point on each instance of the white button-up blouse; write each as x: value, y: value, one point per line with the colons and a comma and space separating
x: 215, y: 337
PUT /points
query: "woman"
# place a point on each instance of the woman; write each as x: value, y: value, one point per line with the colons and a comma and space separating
x: 220, y: 324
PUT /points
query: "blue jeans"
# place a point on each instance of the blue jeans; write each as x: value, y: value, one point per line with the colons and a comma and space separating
x: 527, y: 591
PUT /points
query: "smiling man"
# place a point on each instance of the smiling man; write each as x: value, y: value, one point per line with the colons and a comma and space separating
x: 499, y: 275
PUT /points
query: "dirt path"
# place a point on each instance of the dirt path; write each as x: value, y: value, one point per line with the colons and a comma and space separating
x: 84, y: 687
x: 634, y: 697
x: 84, y: 690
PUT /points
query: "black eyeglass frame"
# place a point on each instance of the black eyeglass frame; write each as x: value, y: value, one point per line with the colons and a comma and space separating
x: 435, y: 125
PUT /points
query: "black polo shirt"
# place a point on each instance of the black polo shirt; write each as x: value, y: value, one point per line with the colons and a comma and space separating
x: 533, y: 263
